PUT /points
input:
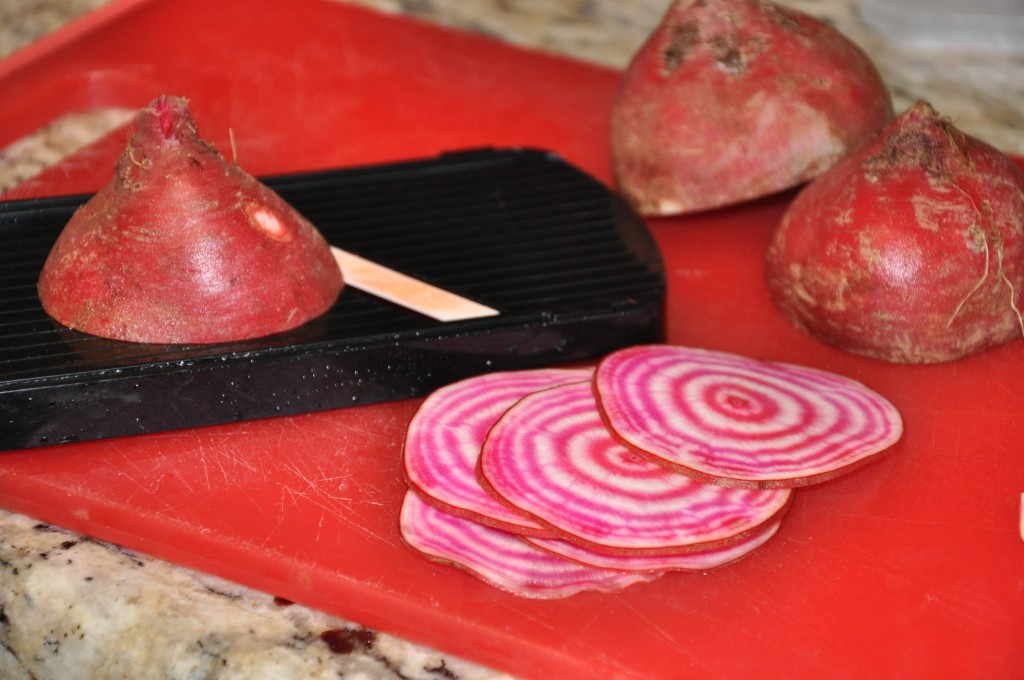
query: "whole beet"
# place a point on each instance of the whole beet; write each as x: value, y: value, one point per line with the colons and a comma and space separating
x: 731, y: 100
x: 911, y: 250
x: 183, y: 247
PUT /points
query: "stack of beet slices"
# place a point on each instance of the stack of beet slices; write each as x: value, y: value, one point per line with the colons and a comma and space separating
x: 547, y: 482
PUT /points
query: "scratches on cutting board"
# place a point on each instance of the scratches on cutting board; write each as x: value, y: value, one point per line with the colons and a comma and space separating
x: 304, y: 474
x: 660, y: 634
x: 934, y: 595
x: 339, y: 498
x: 315, y: 487
x: 820, y: 635
x: 329, y: 490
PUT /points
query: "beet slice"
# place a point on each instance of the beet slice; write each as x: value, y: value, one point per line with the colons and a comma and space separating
x: 443, y: 440
x: 736, y: 421
x: 183, y: 247
x: 552, y: 457
x: 500, y: 558
x: 696, y: 560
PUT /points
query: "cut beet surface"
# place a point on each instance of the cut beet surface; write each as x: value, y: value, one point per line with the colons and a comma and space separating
x: 443, y: 440
x: 501, y: 558
x: 551, y: 457
x: 736, y: 421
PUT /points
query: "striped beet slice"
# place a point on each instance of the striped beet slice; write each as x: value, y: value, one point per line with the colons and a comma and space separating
x: 551, y: 457
x: 442, y: 442
x: 502, y: 559
x: 737, y: 421
x: 697, y: 560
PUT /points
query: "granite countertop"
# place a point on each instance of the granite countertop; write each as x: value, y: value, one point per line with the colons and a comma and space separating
x: 74, y: 607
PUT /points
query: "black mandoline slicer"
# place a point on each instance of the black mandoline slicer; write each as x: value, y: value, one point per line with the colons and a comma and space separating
x: 572, y: 271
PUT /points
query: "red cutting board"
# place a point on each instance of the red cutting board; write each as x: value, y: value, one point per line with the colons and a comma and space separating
x: 910, y: 567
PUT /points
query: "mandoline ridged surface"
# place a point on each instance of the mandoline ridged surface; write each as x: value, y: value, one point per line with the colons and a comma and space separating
x: 572, y: 271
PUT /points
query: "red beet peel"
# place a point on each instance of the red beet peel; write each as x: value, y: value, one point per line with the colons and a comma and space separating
x: 182, y: 246
x: 910, y: 250
x: 731, y: 100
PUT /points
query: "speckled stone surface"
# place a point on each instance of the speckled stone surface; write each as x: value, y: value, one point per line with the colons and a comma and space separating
x: 25, y: 21
x: 72, y: 607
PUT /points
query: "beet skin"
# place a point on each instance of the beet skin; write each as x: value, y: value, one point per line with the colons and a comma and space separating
x: 183, y: 247
x: 731, y: 100
x: 910, y: 250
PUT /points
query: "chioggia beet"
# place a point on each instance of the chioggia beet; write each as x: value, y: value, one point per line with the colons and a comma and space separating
x: 182, y: 246
x: 731, y: 100
x: 911, y: 250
